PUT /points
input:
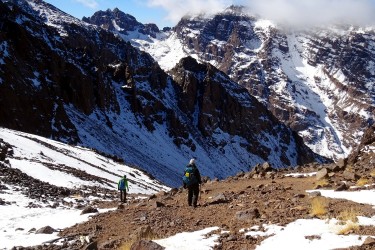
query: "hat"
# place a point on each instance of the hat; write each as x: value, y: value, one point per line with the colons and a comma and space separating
x: 192, y: 161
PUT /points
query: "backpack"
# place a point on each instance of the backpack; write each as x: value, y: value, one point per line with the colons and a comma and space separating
x: 121, y: 184
x: 189, y: 177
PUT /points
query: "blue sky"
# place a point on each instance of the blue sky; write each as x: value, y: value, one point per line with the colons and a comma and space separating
x: 169, y: 12
x: 139, y: 9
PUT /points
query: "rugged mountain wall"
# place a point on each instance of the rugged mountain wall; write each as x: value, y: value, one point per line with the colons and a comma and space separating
x: 320, y: 82
x: 74, y: 82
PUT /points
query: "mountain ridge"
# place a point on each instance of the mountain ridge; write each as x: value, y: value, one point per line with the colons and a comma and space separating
x: 87, y: 86
x: 317, y: 81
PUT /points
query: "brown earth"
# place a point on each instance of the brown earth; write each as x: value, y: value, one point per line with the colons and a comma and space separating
x: 278, y: 200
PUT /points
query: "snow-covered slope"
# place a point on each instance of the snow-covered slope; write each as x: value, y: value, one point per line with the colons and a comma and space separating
x: 65, y: 79
x: 55, y: 182
x: 319, y: 81
x: 70, y: 167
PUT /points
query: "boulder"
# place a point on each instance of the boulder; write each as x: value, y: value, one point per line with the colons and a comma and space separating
x: 370, y: 241
x: 266, y: 167
x: 341, y: 163
x: 45, y: 230
x: 249, y: 214
x: 321, y: 174
x: 342, y: 187
x: 146, y: 245
x: 220, y: 198
x: 158, y: 204
x: 315, y: 194
x: 350, y: 176
x: 89, y: 210
x: 92, y: 246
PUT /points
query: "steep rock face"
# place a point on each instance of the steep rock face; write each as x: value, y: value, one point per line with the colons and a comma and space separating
x: 68, y: 80
x: 320, y: 82
x: 120, y: 22
x: 308, y: 80
x: 215, y: 103
x: 364, y: 155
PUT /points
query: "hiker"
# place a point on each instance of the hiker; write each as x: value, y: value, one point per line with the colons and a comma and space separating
x: 123, y: 187
x: 191, y: 181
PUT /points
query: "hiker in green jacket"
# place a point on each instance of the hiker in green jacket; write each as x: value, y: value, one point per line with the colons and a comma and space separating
x: 123, y: 187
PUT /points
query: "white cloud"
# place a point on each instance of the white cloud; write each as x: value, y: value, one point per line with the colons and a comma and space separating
x: 89, y: 3
x: 315, y: 12
x: 178, y: 8
x: 302, y: 12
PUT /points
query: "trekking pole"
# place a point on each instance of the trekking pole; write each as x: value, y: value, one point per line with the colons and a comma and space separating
x: 199, y: 195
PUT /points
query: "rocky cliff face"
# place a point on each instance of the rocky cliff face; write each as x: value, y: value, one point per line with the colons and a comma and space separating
x: 65, y: 79
x: 320, y: 82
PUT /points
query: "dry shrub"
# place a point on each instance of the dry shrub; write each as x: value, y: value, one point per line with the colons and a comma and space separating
x: 321, y: 183
x: 347, y: 221
x: 143, y: 233
x: 349, y: 168
x: 362, y: 181
x: 319, y: 206
x: 349, y: 215
x: 347, y: 228
x: 372, y: 173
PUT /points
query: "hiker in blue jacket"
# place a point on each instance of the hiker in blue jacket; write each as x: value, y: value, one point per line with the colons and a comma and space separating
x: 123, y: 187
x: 191, y: 181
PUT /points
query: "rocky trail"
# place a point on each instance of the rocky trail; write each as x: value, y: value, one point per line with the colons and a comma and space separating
x: 264, y: 196
x: 249, y: 199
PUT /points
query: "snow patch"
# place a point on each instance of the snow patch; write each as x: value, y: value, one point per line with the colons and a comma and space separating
x: 191, y: 240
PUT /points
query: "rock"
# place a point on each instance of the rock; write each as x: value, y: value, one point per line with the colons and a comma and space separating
x: 370, y: 241
x: 249, y: 214
x: 161, y: 194
x: 173, y: 191
x: 220, y: 198
x: 158, y: 204
x: 111, y: 244
x: 348, y: 175
x: 342, y: 187
x: 146, y: 245
x: 341, y: 163
x: 143, y: 232
x: 45, y: 230
x: 266, y: 167
x: 89, y: 210
x: 315, y: 194
x: 153, y: 196
x: 321, y: 174
x: 92, y: 246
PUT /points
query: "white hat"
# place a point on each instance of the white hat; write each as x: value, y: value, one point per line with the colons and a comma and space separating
x: 192, y: 161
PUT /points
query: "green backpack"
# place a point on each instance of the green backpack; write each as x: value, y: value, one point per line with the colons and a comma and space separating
x: 189, y: 177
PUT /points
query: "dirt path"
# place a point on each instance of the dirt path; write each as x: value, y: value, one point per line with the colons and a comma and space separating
x: 232, y: 204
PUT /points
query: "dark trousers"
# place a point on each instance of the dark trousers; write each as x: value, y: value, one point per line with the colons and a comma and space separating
x: 193, y: 192
x: 123, y: 195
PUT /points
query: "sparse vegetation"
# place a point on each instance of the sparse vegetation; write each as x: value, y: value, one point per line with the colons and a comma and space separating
x: 349, y: 168
x: 321, y: 183
x: 348, y: 227
x: 348, y: 214
x: 145, y: 233
x: 319, y: 206
x: 372, y: 173
x: 362, y: 181
x: 347, y: 221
